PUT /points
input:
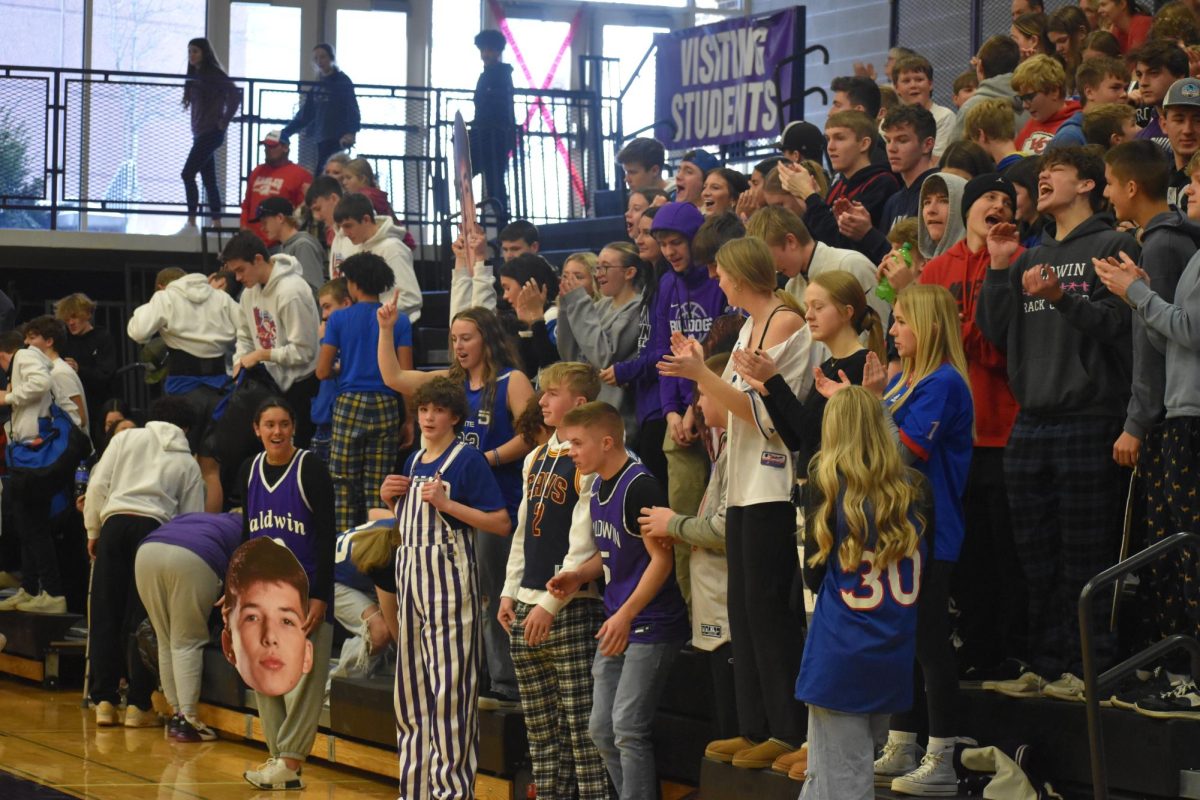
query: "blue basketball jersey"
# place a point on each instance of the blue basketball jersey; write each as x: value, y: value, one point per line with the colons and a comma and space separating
x: 858, y: 658
x: 344, y: 571
x: 664, y: 619
x: 488, y: 428
x: 552, y: 491
x: 281, y: 511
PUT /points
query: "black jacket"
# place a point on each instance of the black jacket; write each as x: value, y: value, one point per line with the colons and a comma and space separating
x: 494, y: 97
x: 329, y: 110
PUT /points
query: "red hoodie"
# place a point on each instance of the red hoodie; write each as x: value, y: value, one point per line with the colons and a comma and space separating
x: 962, y: 272
x: 1034, y: 137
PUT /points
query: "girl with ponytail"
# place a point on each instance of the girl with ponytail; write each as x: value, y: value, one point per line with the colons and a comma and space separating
x: 838, y: 316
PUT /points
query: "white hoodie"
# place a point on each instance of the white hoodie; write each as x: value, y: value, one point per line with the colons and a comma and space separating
x: 281, y: 317
x: 190, y: 316
x: 388, y: 244
x: 147, y: 472
x: 29, y: 395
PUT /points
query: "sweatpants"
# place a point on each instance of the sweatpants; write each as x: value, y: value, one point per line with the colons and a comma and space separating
x: 724, y: 701
x: 178, y: 589
x: 555, y: 679
x: 649, y: 447
x: 988, y: 586
x: 437, y: 664
x: 1170, y: 464
x: 363, y: 446
x: 935, y: 681
x: 299, y: 395
x: 841, y: 754
x: 116, y: 612
x: 688, y: 470
x: 290, y: 722
x: 30, y: 499
x: 767, y: 633
x: 1067, y: 501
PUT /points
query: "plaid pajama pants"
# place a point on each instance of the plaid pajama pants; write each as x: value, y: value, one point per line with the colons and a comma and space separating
x: 555, y: 679
x: 1067, y: 501
x: 1170, y: 467
x: 362, y: 451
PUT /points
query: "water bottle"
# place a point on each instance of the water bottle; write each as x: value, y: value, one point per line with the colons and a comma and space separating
x: 82, y: 472
x: 884, y: 290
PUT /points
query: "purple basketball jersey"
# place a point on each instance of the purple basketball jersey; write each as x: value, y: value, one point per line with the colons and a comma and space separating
x: 281, y: 511
x: 664, y: 619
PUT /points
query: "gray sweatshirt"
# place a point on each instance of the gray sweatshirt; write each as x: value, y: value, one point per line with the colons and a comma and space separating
x: 1168, y: 241
x: 1174, y: 330
x: 999, y: 86
x: 304, y: 247
x: 601, y: 335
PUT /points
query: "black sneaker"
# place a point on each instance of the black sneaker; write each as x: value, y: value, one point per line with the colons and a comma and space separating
x: 1129, y: 692
x: 1182, y: 702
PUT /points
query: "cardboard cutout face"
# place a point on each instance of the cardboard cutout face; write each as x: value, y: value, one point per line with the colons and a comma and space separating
x: 264, y: 633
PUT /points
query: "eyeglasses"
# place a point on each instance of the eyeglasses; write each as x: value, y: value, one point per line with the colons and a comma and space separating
x: 603, y: 267
x: 1027, y: 98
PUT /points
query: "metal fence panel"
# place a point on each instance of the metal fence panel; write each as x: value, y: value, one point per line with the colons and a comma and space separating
x: 23, y: 158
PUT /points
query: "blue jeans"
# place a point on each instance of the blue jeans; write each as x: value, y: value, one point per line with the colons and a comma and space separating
x: 624, y: 701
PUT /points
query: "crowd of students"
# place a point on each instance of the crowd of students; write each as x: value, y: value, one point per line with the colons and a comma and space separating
x: 933, y: 378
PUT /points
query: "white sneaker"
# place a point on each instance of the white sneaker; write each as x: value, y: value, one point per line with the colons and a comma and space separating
x: 1028, y: 685
x: 934, y: 778
x: 106, y: 714
x: 1068, y: 687
x: 897, y: 759
x: 273, y: 775
x: 136, y: 718
x: 44, y: 604
x: 11, y: 603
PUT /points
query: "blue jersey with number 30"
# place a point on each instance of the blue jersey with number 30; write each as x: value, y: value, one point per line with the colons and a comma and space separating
x: 858, y: 658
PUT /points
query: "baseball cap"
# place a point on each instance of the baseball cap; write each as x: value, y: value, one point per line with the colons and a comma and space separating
x: 273, y: 137
x: 1183, y: 92
x: 702, y: 159
x: 805, y: 137
x: 980, y: 185
x: 271, y: 206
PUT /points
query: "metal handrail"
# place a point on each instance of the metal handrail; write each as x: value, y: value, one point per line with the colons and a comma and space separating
x: 1094, y: 684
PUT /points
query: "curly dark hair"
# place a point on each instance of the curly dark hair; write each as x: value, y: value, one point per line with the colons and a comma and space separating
x: 442, y: 392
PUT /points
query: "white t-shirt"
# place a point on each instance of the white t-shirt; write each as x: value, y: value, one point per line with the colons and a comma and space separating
x: 761, y: 468
x: 65, y: 384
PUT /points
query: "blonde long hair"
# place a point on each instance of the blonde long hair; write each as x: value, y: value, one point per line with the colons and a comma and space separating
x: 932, y: 314
x: 749, y: 261
x: 858, y: 454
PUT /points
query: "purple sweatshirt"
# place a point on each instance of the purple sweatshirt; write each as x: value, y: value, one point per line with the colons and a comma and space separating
x: 213, y: 537
x: 687, y: 301
x: 640, y: 371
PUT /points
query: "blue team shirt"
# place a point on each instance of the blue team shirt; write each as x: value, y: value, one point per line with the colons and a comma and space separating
x: 355, y: 333
x: 322, y: 403
x: 468, y: 480
x: 858, y: 657
x: 936, y: 423
x: 489, y: 426
x: 344, y: 571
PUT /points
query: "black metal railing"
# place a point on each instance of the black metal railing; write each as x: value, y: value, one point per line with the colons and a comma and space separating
x: 107, y: 145
x: 1095, y: 685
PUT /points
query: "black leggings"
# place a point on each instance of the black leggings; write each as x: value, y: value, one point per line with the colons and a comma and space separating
x: 649, y: 447
x: 937, y: 694
x: 202, y: 160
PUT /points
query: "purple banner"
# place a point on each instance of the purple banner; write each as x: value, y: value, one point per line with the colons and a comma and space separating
x: 715, y: 83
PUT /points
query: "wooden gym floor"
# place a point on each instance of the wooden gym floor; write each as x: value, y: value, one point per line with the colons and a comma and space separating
x: 51, y: 747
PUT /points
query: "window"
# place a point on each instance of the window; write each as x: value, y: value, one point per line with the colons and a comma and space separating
x: 145, y: 35
x: 42, y: 33
x: 453, y: 60
x: 264, y: 42
x: 372, y: 46
x: 629, y: 44
x: 539, y: 42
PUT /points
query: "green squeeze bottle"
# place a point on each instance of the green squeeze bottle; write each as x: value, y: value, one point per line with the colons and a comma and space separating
x: 884, y: 290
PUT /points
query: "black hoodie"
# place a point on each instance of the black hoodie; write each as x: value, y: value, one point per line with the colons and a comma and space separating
x: 872, y: 186
x: 1169, y: 240
x: 1070, y: 358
